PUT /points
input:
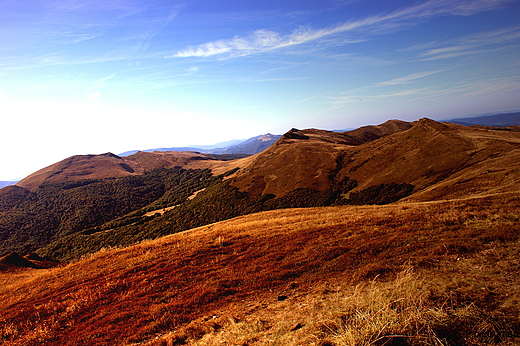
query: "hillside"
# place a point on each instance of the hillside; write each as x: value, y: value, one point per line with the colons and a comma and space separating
x: 427, y: 273
x: 419, y: 161
x: 440, y: 160
x: 112, y: 166
x: 396, y: 234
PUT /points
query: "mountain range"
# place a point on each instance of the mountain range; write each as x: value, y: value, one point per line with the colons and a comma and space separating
x: 65, y: 210
x: 498, y: 120
x: 6, y: 183
x: 403, y: 233
x: 250, y: 146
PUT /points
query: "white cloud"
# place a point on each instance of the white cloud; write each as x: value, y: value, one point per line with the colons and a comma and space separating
x: 483, y: 42
x: 264, y: 40
x: 94, y: 96
x: 310, y: 98
x: 408, y: 78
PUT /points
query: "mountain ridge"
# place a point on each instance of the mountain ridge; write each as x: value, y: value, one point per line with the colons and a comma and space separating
x: 418, y: 161
x: 395, y: 234
x: 249, y: 146
x: 496, y: 120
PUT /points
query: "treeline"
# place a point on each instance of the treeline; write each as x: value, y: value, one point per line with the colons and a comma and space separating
x: 218, y: 202
x: 30, y: 220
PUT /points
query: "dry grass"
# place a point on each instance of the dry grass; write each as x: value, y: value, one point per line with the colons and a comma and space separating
x: 289, y: 277
x: 402, y: 311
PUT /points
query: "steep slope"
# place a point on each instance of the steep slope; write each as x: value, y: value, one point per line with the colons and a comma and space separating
x: 445, y: 158
x: 299, y: 159
x: 315, y: 276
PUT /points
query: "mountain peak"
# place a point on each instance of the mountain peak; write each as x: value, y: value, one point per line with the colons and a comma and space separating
x: 295, y: 134
x: 429, y: 124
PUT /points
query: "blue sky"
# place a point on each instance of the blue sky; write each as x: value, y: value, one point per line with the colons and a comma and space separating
x: 87, y: 77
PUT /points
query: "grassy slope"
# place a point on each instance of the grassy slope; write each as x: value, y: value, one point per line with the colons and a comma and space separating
x: 431, y: 160
x: 415, y: 273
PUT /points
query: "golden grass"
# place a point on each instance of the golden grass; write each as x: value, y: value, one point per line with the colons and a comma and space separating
x: 402, y: 311
x: 318, y: 276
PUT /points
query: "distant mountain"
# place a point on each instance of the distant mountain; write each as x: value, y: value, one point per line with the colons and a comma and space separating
x: 499, y: 120
x: 249, y: 146
x: 7, y: 183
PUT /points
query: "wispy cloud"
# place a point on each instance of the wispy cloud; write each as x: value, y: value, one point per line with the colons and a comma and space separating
x: 408, y: 78
x: 94, y: 96
x: 466, y: 90
x: 480, y: 43
x: 264, y: 40
x: 84, y: 32
x: 309, y: 98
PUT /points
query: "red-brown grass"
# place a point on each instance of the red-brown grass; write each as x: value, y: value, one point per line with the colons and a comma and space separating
x: 274, y: 278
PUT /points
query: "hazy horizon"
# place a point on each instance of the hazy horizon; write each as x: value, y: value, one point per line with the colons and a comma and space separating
x: 88, y: 77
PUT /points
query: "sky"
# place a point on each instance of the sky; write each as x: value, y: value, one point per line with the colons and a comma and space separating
x: 90, y: 77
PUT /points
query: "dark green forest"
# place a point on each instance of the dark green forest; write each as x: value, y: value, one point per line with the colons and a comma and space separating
x: 30, y: 220
x: 218, y: 202
x: 68, y: 220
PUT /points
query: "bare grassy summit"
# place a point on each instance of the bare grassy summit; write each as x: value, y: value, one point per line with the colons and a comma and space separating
x: 441, y: 160
x: 112, y: 166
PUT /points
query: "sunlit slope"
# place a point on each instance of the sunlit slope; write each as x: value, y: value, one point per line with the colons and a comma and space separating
x: 228, y: 283
x: 440, y: 160
x: 112, y: 166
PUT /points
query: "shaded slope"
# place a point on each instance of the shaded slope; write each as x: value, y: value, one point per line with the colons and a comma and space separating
x: 14, y: 261
x: 30, y: 220
x: 188, y: 286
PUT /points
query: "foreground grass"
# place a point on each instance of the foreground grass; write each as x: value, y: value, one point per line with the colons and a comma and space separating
x: 436, y: 273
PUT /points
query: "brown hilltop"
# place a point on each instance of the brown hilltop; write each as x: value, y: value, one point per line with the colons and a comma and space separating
x: 306, y: 158
x: 438, y: 159
x: 441, y: 160
x: 112, y: 166
x: 372, y: 132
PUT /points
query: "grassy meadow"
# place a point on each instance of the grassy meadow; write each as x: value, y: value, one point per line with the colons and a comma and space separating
x: 409, y: 273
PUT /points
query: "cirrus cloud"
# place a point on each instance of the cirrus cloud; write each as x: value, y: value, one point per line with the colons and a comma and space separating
x: 264, y: 40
